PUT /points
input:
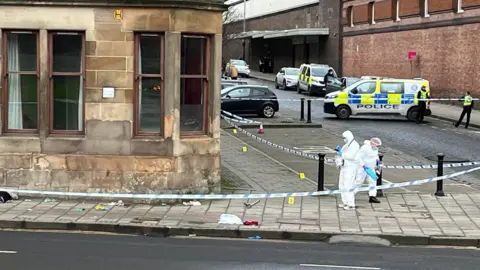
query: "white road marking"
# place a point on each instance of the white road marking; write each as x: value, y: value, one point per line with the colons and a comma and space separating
x: 340, y: 266
x: 7, y: 252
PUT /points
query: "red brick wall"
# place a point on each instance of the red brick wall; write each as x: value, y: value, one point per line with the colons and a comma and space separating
x: 409, y: 8
x: 470, y: 3
x: 440, y: 5
x: 448, y: 57
x: 383, y: 10
x: 360, y: 14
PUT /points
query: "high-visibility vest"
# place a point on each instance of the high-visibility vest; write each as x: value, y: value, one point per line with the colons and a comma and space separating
x: 423, y: 95
x: 467, y: 101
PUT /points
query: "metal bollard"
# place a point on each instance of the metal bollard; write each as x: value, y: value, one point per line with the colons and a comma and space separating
x: 321, y: 172
x: 309, y: 111
x: 302, y: 109
x: 439, y: 191
x: 379, y: 179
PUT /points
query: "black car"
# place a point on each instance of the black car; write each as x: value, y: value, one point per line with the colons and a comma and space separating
x: 232, y: 103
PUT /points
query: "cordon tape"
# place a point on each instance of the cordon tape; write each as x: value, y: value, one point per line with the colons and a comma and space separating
x: 328, y: 160
x: 350, y: 98
x: 239, y: 196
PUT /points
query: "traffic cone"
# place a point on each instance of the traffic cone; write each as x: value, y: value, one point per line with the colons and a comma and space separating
x: 260, y: 129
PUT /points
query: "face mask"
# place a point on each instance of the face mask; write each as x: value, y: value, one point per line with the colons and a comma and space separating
x: 375, y: 148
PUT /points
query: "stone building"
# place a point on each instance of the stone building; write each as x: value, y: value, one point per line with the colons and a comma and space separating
x: 440, y: 36
x: 111, y: 97
x: 292, y: 32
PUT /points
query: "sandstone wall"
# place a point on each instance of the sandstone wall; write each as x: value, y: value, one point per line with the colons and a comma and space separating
x: 108, y: 157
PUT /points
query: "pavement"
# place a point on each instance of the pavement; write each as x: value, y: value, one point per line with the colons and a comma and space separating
x: 105, y: 252
x: 408, y: 219
x: 45, y: 251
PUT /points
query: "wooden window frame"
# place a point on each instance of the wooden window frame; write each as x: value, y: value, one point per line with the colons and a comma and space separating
x: 137, y: 79
x: 5, y: 81
x: 206, y: 81
x: 52, y: 74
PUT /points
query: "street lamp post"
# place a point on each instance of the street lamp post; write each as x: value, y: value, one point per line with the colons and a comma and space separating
x: 244, y: 26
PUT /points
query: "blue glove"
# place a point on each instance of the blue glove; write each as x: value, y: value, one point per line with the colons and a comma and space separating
x: 339, y: 150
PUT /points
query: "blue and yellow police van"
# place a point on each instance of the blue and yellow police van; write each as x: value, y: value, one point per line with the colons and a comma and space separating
x: 378, y: 96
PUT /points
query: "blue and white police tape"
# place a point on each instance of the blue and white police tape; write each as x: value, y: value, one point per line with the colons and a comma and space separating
x: 236, y: 196
x: 239, y: 118
x: 329, y: 160
x: 348, y: 98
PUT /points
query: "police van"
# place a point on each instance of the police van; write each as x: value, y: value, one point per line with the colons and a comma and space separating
x: 376, y: 97
x: 310, y: 79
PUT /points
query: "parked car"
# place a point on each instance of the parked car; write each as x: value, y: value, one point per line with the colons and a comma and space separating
x: 229, y: 83
x: 311, y: 78
x: 265, y: 108
x: 287, y: 77
x: 242, y: 67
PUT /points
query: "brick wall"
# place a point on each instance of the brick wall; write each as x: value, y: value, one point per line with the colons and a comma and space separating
x: 446, y: 57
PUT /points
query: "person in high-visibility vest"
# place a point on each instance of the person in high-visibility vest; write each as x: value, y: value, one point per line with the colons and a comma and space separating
x: 423, y: 96
x: 467, y: 109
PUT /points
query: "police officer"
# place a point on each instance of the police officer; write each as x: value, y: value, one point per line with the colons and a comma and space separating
x: 467, y: 109
x: 422, y: 95
x: 326, y: 78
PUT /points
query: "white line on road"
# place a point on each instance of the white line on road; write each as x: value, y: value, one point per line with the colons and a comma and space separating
x: 339, y: 266
x: 7, y: 252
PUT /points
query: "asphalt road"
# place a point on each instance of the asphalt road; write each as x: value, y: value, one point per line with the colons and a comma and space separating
x: 63, y: 251
x: 422, y: 141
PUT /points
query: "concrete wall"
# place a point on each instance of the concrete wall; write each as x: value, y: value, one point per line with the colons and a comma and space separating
x: 445, y: 42
x: 108, y: 157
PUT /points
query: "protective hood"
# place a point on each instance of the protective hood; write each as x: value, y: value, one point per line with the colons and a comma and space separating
x: 348, y: 135
x: 366, y: 142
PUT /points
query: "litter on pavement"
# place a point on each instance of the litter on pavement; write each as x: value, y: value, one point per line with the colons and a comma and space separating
x: 6, y: 196
x: 249, y: 205
x: 192, y: 203
x: 230, y: 219
x: 101, y: 207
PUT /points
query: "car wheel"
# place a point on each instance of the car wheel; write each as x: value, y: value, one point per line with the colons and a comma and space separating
x: 298, y: 88
x: 276, y: 84
x: 284, y: 85
x: 412, y: 114
x: 268, y: 111
x: 343, y: 112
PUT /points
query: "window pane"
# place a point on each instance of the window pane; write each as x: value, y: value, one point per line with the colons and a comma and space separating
x: 21, y: 52
x: 67, y: 103
x: 149, y: 107
x: 193, y: 60
x: 22, y: 101
x: 192, y: 107
x: 149, y: 55
x: 67, y: 53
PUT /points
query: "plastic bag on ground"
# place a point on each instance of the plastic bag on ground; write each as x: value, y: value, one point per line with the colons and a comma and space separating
x: 230, y: 219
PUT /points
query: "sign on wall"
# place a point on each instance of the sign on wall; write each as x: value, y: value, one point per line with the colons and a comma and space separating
x: 117, y: 14
x: 412, y: 55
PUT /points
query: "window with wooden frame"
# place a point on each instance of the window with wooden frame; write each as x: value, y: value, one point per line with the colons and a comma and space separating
x: 194, y: 79
x: 148, y: 98
x: 66, y: 86
x: 20, y: 81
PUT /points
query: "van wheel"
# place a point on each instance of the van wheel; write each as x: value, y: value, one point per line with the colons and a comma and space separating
x: 343, y: 112
x: 412, y: 114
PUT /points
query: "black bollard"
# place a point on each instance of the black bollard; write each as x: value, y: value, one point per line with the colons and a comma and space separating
x: 379, y: 179
x: 302, y: 109
x: 309, y: 111
x: 321, y: 172
x: 439, y: 191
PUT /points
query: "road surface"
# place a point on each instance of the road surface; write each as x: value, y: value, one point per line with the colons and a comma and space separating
x: 64, y: 251
x: 421, y: 141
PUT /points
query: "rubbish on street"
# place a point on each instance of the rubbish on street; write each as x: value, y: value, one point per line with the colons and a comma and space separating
x: 230, y: 219
x: 164, y: 204
x: 252, y: 222
x: 254, y: 237
x: 192, y: 203
x: 249, y: 205
x: 80, y: 209
x: 47, y: 200
x: 101, y: 207
x: 27, y: 200
x: 119, y: 203
x: 6, y: 196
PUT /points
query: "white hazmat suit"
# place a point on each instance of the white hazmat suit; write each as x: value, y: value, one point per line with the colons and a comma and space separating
x: 368, y: 156
x: 348, y: 169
